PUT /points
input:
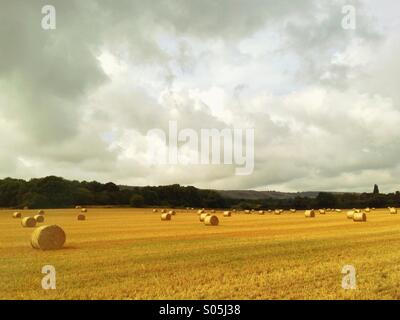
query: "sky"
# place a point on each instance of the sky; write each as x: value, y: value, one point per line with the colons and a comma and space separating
x: 79, y: 100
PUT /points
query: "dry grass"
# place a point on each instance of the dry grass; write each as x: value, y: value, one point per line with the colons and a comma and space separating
x: 131, y: 254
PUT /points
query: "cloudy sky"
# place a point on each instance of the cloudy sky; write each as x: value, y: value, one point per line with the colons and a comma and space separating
x: 324, y: 101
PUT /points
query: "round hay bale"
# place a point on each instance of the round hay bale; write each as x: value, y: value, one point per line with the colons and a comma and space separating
x: 166, y: 217
x: 321, y: 211
x: 203, y: 216
x: 83, y: 210
x: 155, y: 210
x: 41, y: 212
x: 359, y: 217
x: 78, y: 207
x: 293, y: 210
x: 211, y: 220
x: 39, y: 218
x: 246, y: 211
x: 163, y: 211
x: 277, y: 212
x: 350, y: 214
x: 17, y: 215
x: 172, y: 212
x: 81, y: 217
x: 393, y: 211
x: 356, y: 210
x: 309, y: 213
x: 28, y: 222
x: 367, y: 210
x: 48, y: 238
x: 338, y: 210
x: 212, y: 211
x: 227, y: 214
x: 199, y: 212
x: 260, y: 211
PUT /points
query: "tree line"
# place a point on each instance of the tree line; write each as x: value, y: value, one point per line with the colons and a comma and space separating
x: 56, y: 192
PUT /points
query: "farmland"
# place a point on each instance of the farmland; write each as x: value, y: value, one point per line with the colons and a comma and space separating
x: 132, y: 254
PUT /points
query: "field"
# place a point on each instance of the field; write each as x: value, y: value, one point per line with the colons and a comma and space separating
x: 131, y: 254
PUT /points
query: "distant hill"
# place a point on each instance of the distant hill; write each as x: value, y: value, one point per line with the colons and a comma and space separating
x: 259, y: 195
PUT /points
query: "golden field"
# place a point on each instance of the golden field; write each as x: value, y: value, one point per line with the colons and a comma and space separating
x: 132, y: 254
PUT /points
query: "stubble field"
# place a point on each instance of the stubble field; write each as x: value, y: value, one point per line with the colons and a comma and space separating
x: 132, y: 254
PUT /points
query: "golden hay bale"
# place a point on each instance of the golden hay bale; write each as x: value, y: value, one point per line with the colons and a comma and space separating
x: 81, y: 217
x: 350, y: 214
x: 78, y: 207
x: 227, y: 214
x: 212, y: 211
x: 39, y: 218
x: 155, y: 210
x: 260, y: 211
x: 367, y: 210
x: 41, y: 212
x: 373, y: 208
x: 172, y: 212
x: 356, y: 210
x: 83, y: 210
x: 211, y: 220
x: 359, y: 217
x: 338, y: 210
x: 203, y: 216
x: 322, y: 211
x: 277, y: 212
x: 17, y: 215
x: 269, y: 210
x: 48, y: 238
x: 309, y: 213
x: 393, y: 211
x: 200, y: 211
x: 166, y: 217
x: 293, y: 210
x: 28, y: 222
x: 247, y: 211
x: 163, y: 211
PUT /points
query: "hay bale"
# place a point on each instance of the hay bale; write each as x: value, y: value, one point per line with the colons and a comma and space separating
x: 321, y: 211
x: 367, y: 210
x: 172, y: 212
x: 359, y: 217
x: 166, y: 216
x: 246, y: 211
x: 293, y: 210
x: 28, y: 222
x: 309, y: 213
x: 39, y: 218
x: 199, y: 212
x: 83, y: 210
x: 203, y: 216
x: 17, y: 215
x: 393, y: 211
x: 211, y: 220
x: 155, y: 210
x: 212, y: 211
x: 81, y: 217
x: 277, y: 212
x: 350, y: 214
x: 260, y: 211
x: 338, y: 210
x: 48, y: 238
x: 163, y: 211
x: 227, y: 214
x: 78, y: 207
x: 41, y: 212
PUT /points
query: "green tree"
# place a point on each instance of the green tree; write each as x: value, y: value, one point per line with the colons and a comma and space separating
x: 136, y: 201
x: 376, y: 189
